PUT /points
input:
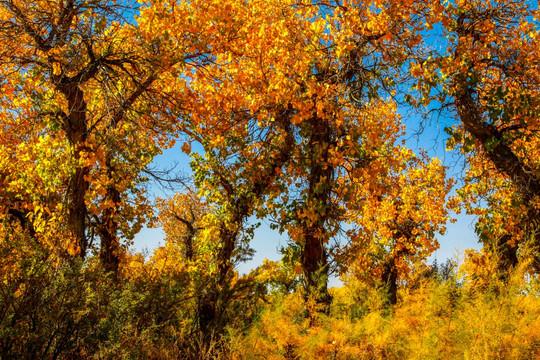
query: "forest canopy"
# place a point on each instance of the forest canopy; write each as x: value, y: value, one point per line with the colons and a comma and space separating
x: 297, y: 110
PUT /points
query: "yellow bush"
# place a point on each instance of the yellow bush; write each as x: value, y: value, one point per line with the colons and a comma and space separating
x: 433, y: 319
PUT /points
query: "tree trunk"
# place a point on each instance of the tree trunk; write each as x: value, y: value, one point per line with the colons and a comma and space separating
x: 506, y: 254
x: 501, y: 155
x: 314, y: 256
x: 108, y: 232
x: 76, y: 127
x: 210, y: 315
x: 209, y: 312
x: 316, y: 269
x: 389, y: 278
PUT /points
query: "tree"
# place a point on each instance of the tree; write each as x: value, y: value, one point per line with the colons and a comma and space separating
x: 396, y: 227
x: 345, y: 123
x: 86, y: 85
x: 194, y: 251
x: 181, y: 218
x: 312, y: 85
x: 71, y: 85
x: 490, y: 77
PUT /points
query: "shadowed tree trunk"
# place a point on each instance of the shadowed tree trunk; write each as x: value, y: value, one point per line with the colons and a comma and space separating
x: 507, y: 163
x: 108, y: 225
x: 209, y: 309
x: 76, y: 127
x: 314, y: 256
x: 506, y: 253
x: 389, y: 278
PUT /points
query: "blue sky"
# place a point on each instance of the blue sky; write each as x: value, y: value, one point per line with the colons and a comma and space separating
x: 459, y: 236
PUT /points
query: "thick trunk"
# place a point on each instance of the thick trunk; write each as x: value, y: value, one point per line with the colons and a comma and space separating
x: 76, y: 128
x: 315, y: 268
x: 109, y: 252
x: 191, y: 232
x: 108, y: 227
x: 314, y: 256
x: 389, y: 278
x: 188, y: 247
x: 108, y: 232
x: 77, y: 210
x: 501, y: 155
x: 506, y: 254
x: 209, y: 311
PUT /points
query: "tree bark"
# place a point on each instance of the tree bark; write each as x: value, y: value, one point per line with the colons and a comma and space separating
x: 108, y: 226
x: 389, y: 278
x: 76, y: 127
x: 314, y: 256
x: 209, y: 311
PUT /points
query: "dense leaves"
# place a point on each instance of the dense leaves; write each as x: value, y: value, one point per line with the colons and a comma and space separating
x: 293, y: 113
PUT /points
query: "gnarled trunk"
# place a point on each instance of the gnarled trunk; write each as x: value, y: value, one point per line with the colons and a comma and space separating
x: 209, y: 312
x: 76, y: 127
x: 498, y: 151
x: 316, y: 270
x: 389, y: 278
x: 108, y: 228
x: 314, y: 256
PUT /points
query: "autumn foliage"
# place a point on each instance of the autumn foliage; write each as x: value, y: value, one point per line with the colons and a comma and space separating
x: 293, y: 113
